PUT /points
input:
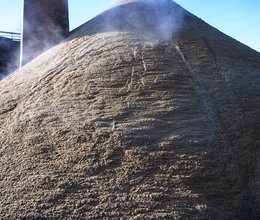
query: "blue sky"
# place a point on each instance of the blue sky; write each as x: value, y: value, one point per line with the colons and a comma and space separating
x: 239, y: 19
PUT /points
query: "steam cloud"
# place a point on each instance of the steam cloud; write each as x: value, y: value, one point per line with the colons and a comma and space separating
x: 149, y: 19
x: 152, y: 19
x: 156, y: 19
x: 51, y: 35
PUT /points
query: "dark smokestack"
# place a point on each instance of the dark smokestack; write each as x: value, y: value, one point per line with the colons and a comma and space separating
x: 45, y: 23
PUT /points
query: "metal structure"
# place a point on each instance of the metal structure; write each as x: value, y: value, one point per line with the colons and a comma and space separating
x: 11, y: 35
x: 45, y: 23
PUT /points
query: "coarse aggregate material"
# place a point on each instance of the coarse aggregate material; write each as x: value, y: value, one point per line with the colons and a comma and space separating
x: 121, y: 122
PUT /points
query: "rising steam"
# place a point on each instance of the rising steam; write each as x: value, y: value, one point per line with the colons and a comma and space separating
x: 158, y: 19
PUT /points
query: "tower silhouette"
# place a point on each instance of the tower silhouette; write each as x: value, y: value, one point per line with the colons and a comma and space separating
x: 45, y: 23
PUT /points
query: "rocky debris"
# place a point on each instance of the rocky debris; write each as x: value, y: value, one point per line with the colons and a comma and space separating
x: 114, y: 124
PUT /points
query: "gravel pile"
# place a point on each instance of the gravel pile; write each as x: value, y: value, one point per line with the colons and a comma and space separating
x: 139, y: 114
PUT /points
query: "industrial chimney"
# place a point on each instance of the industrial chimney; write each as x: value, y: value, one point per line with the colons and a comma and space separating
x: 45, y: 23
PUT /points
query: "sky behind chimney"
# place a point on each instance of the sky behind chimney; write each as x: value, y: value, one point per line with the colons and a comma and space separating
x: 239, y: 19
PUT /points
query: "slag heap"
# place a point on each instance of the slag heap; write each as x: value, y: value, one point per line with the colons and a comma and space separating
x: 122, y: 121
